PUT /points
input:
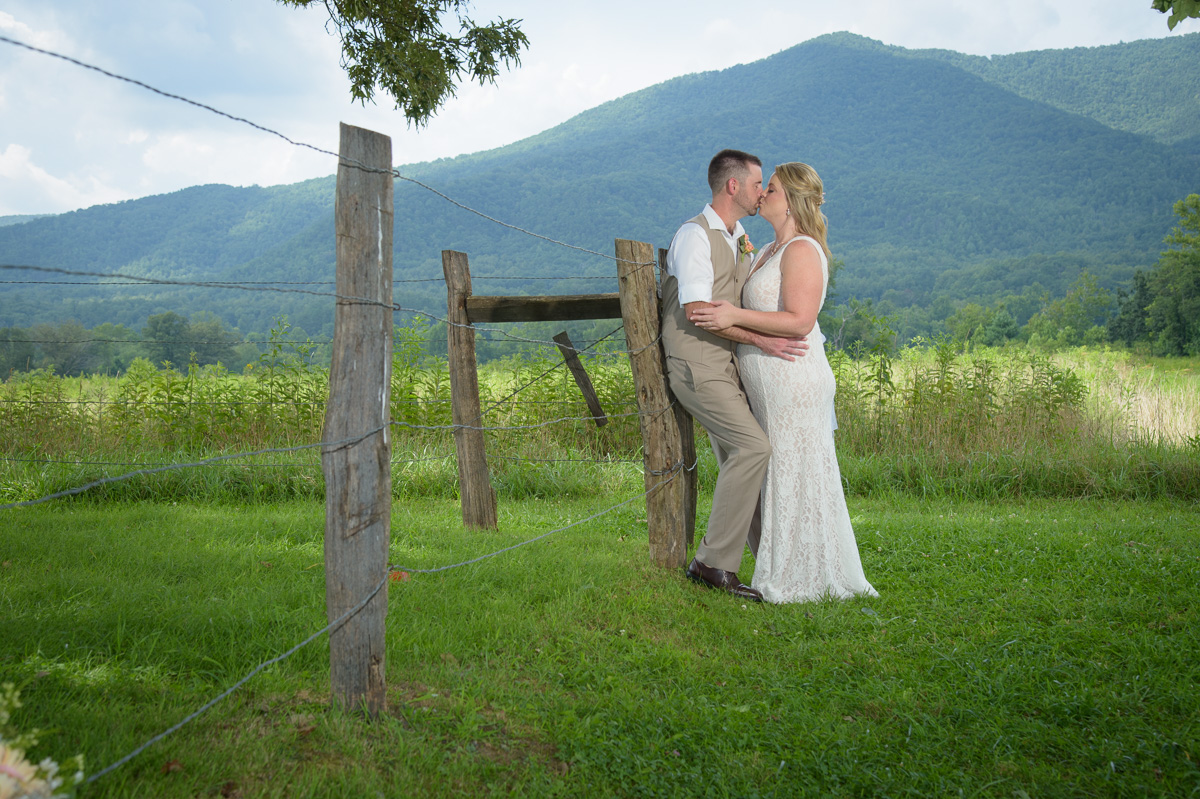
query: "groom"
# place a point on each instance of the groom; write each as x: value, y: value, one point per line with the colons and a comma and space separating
x: 709, y: 260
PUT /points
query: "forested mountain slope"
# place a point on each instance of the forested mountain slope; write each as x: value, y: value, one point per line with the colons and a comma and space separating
x: 1149, y: 87
x: 931, y: 167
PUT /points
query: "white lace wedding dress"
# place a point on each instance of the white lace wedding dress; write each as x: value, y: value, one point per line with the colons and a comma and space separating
x: 807, y: 549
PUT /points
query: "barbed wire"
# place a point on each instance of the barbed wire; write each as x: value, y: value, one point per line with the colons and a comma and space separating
x: 168, y: 95
x: 284, y: 402
x: 292, y: 465
x: 342, y: 159
x: 310, y: 464
x: 534, y: 426
x: 192, y: 717
x: 273, y: 286
x: 475, y: 277
x: 510, y: 278
x: 283, y: 343
x: 256, y: 342
x: 671, y: 472
x: 227, y: 282
x: 160, y: 281
x: 515, y: 337
x: 70, y: 342
x: 554, y: 368
x: 199, y: 403
x: 519, y: 459
x: 340, y: 297
x: 335, y: 444
x: 452, y: 201
x: 329, y: 628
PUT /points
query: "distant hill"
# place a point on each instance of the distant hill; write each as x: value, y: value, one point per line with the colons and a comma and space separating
x: 1146, y: 87
x: 17, y: 219
x: 935, y: 164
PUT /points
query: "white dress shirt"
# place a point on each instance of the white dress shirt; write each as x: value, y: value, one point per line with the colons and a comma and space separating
x: 689, y: 259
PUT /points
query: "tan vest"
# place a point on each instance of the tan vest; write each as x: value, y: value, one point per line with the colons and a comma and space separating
x: 681, y: 338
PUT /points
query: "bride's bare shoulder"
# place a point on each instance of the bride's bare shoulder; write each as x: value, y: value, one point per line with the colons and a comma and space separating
x: 801, y: 256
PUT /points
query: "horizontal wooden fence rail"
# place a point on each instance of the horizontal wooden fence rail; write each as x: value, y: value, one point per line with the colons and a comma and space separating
x: 544, y: 308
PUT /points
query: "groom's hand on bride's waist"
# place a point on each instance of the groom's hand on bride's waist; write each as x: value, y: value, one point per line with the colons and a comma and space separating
x: 787, y: 348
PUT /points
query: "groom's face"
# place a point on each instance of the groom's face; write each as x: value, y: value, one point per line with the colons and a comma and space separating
x: 749, y: 191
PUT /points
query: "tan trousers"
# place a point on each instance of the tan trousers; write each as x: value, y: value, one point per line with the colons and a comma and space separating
x: 715, y: 399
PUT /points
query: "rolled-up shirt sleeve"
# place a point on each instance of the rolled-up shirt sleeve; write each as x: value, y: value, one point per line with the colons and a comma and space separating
x: 690, y: 261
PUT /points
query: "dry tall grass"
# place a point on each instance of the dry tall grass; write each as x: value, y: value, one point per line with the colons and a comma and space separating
x: 929, y: 419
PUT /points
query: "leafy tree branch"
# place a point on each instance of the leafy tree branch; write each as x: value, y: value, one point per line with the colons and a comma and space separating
x: 400, y: 47
x: 1178, y: 9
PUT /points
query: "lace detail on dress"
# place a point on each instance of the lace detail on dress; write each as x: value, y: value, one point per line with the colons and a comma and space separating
x: 807, y: 548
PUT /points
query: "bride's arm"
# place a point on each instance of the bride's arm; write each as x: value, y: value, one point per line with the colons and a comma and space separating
x: 786, y: 347
x: 799, y: 292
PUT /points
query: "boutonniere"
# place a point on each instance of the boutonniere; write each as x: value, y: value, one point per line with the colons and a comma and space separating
x: 744, y: 245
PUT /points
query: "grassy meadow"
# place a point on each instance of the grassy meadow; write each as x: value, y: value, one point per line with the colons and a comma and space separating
x: 1031, y: 521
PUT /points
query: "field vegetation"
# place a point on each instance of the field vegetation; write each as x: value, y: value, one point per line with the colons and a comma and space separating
x: 934, y: 418
x: 1031, y: 520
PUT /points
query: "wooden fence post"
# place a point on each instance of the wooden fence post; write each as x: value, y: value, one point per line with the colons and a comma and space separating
x: 665, y: 506
x: 358, y: 477
x: 687, y: 438
x: 571, y: 358
x: 478, y: 496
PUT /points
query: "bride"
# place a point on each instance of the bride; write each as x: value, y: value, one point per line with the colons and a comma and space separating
x: 807, y: 549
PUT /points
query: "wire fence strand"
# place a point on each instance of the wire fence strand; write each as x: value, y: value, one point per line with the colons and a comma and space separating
x: 350, y: 614
x: 206, y: 462
x: 342, y: 159
x: 293, y: 287
x: 339, y: 297
x: 193, y: 716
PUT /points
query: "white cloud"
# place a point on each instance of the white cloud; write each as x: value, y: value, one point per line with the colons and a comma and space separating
x: 76, y: 137
x: 720, y: 31
x: 29, y: 185
x: 176, y: 152
x: 16, y: 29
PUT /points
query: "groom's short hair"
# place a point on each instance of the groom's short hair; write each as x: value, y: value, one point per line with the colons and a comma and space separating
x: 729, y: 164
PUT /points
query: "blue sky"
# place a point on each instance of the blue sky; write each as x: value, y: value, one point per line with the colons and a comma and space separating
x: 71, y: 138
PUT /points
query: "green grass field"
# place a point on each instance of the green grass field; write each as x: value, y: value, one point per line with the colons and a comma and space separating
x: 1031, y: 520
x: 1040, y: 648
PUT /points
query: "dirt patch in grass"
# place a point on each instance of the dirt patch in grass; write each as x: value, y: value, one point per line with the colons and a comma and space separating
x: 497, y: 738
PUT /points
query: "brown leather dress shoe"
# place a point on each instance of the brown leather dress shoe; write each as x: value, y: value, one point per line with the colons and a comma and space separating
x: 722, y: 580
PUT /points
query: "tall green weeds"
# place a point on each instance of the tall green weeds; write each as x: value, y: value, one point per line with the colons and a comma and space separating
x: 60, y: 434
x: 931, y: 419
x: 995, y: 423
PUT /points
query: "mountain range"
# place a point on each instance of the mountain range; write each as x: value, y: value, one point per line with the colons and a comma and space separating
x: 949, y: 178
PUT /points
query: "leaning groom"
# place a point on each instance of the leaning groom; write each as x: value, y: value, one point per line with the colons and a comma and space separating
x: 709, y: 260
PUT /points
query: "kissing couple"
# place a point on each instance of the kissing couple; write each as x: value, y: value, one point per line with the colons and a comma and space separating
x: 737, y: 329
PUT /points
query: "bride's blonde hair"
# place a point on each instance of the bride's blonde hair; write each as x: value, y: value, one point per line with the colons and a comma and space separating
x: 805, y: 193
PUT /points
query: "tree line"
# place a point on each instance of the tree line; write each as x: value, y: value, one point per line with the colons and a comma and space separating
x: 70, y: 349
x: 1158, y: 313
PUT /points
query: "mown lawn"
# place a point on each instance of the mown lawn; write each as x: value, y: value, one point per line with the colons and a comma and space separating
x: 1036, y: 648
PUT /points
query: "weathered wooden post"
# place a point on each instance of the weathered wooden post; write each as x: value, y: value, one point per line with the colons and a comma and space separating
x: 475, y: 485
x: 687, y: 438
x: 358, y: 475
x: 571, y: 357
x: 665, y: 506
